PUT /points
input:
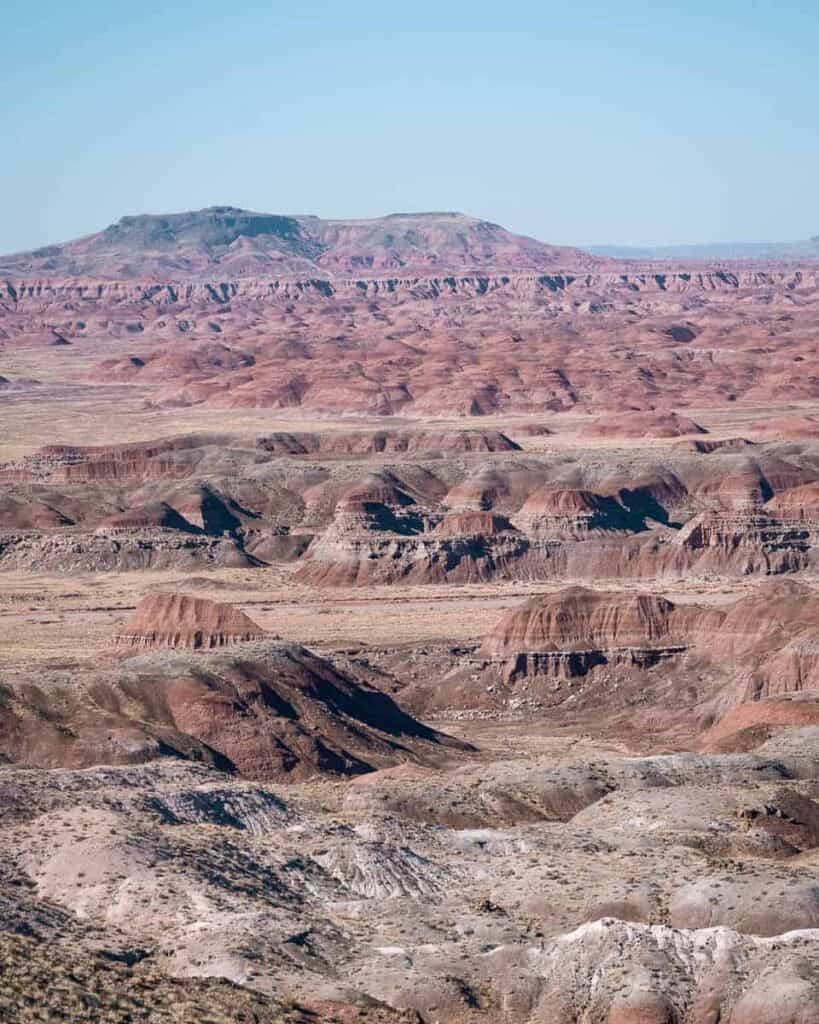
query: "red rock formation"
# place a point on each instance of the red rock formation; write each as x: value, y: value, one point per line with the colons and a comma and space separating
x: 501, y: 487
x: 565, y: 512
x: 769, y: 637
x: 737, y: 544
x: 751, y: 723
x: 180, y: 620
x: 768, y: 618
x: 157, y: 515
x: 456, y: 554
x: 655, y: 423
x: 142, y: 460
x: 767, y: 634
x: 275, y: 713
x: 401, y: 341
x: 17, y: 514
x: 570, y: 516
x: 389, y: 442
x: 710, y: 446
x: 577, y: 619
x: 472, y: 524
x: 796, y: 503
x: 374, y: 490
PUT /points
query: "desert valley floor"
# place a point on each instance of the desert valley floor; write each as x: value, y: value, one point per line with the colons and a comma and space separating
x: 406, y: 622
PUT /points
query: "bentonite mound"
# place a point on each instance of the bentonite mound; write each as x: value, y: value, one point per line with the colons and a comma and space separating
x: 623, y: 973
x: 643, y: 424
x: 179, y: 620
x: 157, y: 515
x: 562, y: 501
x: 472, y: 524
x: 581, y: 619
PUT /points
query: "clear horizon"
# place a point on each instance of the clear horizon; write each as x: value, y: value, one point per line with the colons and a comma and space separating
x: 605, y: 126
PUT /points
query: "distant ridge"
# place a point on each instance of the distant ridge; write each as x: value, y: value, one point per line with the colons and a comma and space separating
x: 227, y: 242
x: 801, y: 250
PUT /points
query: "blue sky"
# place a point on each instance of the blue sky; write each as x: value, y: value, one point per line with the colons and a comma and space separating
x: 641, y: 123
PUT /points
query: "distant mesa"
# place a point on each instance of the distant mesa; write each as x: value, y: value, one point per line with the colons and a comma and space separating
x: 709, y: 251
x: 179, y: 620
x: 239, y: 243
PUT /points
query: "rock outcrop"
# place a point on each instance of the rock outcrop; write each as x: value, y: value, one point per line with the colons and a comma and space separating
x: 341, y: 444
x: 226, y: 242
x: 129, y: 550
x: 181, y: 620
x: 654, y: 423
x: 627, y: 973
x: 573, y: 513
x: 156, y: 515
x: 574, y: 632
x: 196, y: 500
x: 578, y: 619
x: 263, y: 710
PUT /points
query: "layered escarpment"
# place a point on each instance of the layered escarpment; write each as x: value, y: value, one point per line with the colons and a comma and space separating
x: 494, y: 334
x: 358, y: 507
x: 180, y: 620
x: 573, y: 632
x: 384, y: 442
x: 727, y: 675
x: 730, y: 514
x: 578, y: 618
